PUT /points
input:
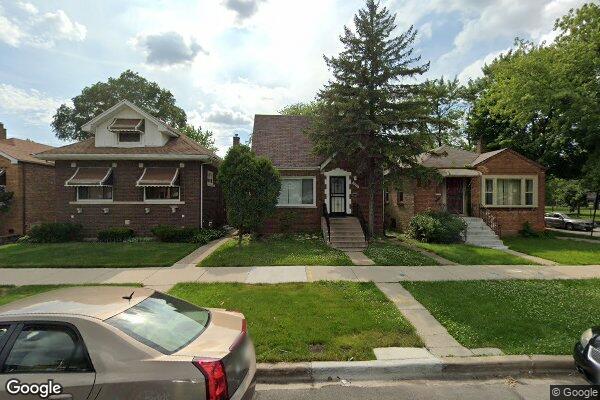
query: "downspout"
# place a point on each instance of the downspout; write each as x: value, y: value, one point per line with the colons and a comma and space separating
x: 24, y: 225
x: 202, y: 196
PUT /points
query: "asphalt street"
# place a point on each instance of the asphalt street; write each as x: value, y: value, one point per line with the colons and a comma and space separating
x: 489, y: 389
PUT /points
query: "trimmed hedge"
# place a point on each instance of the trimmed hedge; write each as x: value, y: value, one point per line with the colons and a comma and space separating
x: 55, y: 232
x: 171, y: 234
x: 437, y: 227
x: 116, y: 235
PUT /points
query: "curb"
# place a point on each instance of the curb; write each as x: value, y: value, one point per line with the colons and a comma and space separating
x: 426, y: 368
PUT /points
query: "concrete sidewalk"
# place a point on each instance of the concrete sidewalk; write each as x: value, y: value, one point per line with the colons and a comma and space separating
x: 164, y: 278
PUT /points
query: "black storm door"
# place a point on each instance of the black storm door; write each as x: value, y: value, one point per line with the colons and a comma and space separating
x: 337, y: 195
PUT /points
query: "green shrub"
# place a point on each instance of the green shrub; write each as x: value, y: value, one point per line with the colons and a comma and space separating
x: 116, y: 235
x: 205, y: 236
x: 436, y: 227
x: 172, y: 234
x: 528, y: 231
x: 55, y: 232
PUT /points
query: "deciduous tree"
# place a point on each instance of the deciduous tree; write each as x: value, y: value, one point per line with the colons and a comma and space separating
x: 99, y: 97
x: 251, y: 188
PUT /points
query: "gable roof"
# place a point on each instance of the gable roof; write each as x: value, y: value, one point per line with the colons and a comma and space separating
x: 447, y: 157
x: 281, y: 138
x: 177, y: 148
x: 162, y: 126
x: 18, y: 150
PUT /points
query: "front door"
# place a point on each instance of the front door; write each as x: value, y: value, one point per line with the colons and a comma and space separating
x: 455, y: 195
x: 337, y: 195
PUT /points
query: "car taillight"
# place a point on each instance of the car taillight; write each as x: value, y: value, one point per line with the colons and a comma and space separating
x: 241, y: 336
x: 216, y: 380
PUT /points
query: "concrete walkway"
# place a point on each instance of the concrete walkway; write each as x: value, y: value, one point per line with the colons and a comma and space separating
x: 578, y: 239
x: 164, y: 278
x: 359, y: 258
x: 537, y: 260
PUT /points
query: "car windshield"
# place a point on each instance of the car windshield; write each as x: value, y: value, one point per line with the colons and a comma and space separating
x: 162, y: 322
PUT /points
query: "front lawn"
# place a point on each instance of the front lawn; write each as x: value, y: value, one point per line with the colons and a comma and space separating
x: 390, y: 252
x: 465, y: 254
x: 569, y: 252
x: 92, y: 255
x: 310, y: 321
x: 517, y: 316
x: 276, y: 250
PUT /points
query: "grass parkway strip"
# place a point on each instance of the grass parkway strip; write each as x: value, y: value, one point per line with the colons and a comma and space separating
x: 319, y: 321
x: 274, y: 251
x: 568, y: 252
x: 518, y: 317
x: 93, y: 255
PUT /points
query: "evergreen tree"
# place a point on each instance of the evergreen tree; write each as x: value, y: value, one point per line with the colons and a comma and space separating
x: 369, y: 113
x: 446, y: 111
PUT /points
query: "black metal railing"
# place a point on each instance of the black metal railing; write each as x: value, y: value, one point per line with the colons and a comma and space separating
x: 326, y: 216
x: 357, y: 212
x: 490, y: 220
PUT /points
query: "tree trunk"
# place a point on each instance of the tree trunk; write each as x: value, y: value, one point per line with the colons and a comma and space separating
x: 595, y: 209
x: 371, y: 203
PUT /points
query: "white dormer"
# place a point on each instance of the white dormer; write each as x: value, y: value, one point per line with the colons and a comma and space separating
x: 126, y: 125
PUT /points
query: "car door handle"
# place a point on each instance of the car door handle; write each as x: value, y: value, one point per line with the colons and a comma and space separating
x: 64, y: 396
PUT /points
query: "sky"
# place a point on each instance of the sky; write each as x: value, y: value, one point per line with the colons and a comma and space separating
x: 227, y: 60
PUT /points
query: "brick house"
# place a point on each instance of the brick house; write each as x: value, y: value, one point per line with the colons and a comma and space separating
x: 30, y: 180
x: 310, y: 183
x: 502, y: 187
x: 135, y: 171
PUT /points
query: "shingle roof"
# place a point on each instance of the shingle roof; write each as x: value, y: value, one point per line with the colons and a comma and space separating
x: 175, y: 146
x: 447, y: 157
x: 281, y: 138
x: 484, y: 156
x: 23, y: 150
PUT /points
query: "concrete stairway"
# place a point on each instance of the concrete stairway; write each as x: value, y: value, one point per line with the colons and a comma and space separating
x: 347, y: 234
x: 479, y: 234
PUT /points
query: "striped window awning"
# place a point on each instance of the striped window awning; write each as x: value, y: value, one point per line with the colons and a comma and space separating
x: 156, y: 176
x: 127, y: 125
x: 91, y: 176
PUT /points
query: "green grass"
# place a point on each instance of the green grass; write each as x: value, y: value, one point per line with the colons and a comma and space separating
x: 569, y: 252
x: 519, y: 317
x: 390, y: 252
x: 465, y: 254
x: 88, y: 255
x: 310, y: 321
x: 572, y: 235
x: 276, y: 250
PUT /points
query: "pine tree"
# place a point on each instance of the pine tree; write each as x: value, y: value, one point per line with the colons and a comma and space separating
x: 370, y: 113
x: 446, y: 112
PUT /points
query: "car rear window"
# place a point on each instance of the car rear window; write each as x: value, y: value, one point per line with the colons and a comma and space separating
x: 162, y: 322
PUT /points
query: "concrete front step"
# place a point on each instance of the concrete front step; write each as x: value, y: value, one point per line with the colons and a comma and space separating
x: 481, y: 235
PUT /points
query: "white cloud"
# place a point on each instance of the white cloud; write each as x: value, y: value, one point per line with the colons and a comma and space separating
x: 30, y: 105
x: 474, y: 70
x: 168, y: 48
x: 506, y: 19
x: 25, y: 25
x: 243, y: 8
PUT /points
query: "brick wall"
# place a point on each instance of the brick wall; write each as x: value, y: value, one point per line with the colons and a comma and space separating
x: 11, y: 222
x: 213, y: 206
x: 289, y: 219
x: 39, y: 194
x: 128, y: 199
x: 512, y: 219
x: 295, y: 220
x: 428, y: 195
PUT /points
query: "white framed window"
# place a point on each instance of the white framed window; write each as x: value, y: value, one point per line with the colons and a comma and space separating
x: 297, y: 192
x: 162, y: 193
x: 509, y: 191
x: 94, y: 193
x: 210, y: 178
